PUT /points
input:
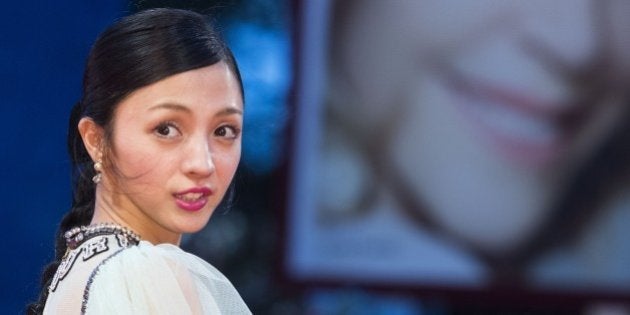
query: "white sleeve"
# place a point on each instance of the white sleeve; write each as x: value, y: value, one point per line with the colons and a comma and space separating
x: 163, y: 279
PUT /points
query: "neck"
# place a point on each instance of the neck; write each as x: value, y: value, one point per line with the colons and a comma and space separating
x: 106, y: 211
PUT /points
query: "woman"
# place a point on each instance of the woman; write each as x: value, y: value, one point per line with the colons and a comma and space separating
x: 472, y: 143
x: 155, y: 142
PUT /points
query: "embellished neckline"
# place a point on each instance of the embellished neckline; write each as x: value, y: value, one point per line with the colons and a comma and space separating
x: 78, y: 235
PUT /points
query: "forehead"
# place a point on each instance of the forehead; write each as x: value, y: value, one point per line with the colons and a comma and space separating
x: 206, y: 88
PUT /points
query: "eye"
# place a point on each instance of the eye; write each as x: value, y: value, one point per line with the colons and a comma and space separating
x: 227, y: 132
x: 167, y: 130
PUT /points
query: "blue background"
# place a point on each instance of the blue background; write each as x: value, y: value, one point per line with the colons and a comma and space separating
x: 43, y: 46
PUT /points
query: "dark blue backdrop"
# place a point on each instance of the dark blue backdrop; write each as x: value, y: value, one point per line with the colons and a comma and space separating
x: 43, y: 46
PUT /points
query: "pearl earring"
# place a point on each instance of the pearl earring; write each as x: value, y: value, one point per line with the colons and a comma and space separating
x: 98, y: 167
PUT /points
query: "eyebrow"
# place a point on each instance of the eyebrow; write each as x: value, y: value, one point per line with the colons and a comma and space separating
x: 181, y: 108
x: 229, y: 111
x: 171, y: 106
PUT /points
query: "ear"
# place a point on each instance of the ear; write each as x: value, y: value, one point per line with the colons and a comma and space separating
x: 92, y: 136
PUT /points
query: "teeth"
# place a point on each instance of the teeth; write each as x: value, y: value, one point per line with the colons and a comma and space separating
x: 190, y: 196
x: 517, y: 125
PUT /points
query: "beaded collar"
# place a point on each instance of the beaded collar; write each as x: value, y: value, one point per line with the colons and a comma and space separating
x: 77, y: 235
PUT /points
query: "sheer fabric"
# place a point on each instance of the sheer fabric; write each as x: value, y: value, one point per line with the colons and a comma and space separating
x: 145, y: 279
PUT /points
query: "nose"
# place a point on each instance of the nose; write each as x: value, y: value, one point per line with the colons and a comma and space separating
x: 197, y: 161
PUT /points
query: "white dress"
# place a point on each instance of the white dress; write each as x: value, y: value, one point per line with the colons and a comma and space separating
x: 107, y: 275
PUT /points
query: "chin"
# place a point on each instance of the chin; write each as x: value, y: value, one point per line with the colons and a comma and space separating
x: 193, y: 226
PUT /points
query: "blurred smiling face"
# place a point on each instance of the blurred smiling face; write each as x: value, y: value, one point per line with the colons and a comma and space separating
x: 498, y: 102
x: 515, y: 71
x: 176, y: 145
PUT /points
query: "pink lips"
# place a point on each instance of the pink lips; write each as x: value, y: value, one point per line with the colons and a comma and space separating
x: 193, y: 199
x: 533, y: 151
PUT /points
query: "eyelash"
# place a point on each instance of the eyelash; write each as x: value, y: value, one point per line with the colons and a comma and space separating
x: 169, y: 124
x: 166, y: 124
x: 235, y: 131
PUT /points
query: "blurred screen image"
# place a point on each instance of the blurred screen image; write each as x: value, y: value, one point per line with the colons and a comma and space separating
x: 463, y: 144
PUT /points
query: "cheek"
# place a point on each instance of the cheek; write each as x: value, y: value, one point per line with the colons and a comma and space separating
x: 138, y: 161
x: 226, y: 163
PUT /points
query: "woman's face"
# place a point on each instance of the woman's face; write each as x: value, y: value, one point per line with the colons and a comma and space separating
x: 496, y: 103
x: 176, y: 145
